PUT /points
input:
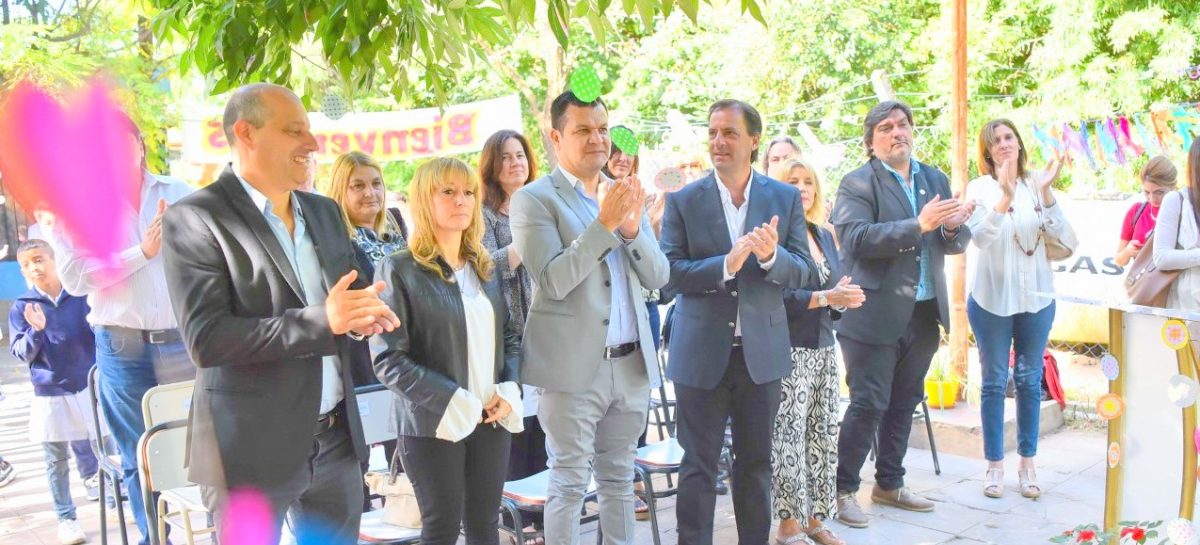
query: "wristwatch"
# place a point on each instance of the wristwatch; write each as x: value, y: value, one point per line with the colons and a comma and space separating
x: 821, y: 299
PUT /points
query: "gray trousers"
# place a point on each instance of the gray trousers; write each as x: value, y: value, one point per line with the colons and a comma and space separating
x: 595, y: 431
x: 322, y: 503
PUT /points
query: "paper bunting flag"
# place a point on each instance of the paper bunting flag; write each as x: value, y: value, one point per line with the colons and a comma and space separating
x: 1093, y: 142
x: 1175, y: 334
x: 1110, y: 406
x: 1107, y: 143
x: 1167, y: 138
x: 1077, y: 140
x: 1184, y: 121
x: 1127, y: 138
x: 669, y: 179
x: 1180, y: 532
x: 1114, y: 454
x: 585, y: 83
x: 1112, y: 142
x: 1149, y: 141
x: 1110, y: 367
x: 1049, y: 144
x: 1181, y: 391
x: 625, y: 140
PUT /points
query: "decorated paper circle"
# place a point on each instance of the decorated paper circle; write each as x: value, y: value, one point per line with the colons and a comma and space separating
x: 669, y: 179
x: 1175, y: 334
x: 1110, y: 406
x: 1182, y: 391
x: 585, y: 83
x: 1108, y: 364
x: 625, y: 140
x: 1114, y: 454
x: 333, y: 106
x: 1180, y: 532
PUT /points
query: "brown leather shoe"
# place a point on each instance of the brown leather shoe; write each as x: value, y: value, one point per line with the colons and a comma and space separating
x: 901, y: 497
x: 849, y: 512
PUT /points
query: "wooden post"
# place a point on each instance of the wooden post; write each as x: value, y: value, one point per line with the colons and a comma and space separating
x: 958, y: 177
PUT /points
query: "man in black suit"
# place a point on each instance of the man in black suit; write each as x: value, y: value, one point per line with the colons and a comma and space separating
x: 735, y: 240
x: 896, y: 220
x: 266, y: 288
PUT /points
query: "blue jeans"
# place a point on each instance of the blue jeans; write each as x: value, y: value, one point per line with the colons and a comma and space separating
x: 655, y: 322
x: 58, y: 472
x: 127, y: 367
x: 1026, y: 334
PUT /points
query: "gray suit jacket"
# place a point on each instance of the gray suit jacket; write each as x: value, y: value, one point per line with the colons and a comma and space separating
x: 695, y: 238
x: 564, y: 252
x: 257, y: 345
x: 881, y: 249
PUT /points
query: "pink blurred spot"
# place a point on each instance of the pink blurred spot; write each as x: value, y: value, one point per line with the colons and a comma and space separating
x: 1196, y: 438
x: 248, y: 519
x: 75, y: 157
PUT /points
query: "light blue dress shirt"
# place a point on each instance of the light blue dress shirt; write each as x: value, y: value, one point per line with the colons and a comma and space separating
x: 302, y: 256
x: 925, y: 286
x: 622, y: 321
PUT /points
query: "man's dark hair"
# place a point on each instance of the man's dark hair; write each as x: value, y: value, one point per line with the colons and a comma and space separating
x: 246, y: 103
x: 753, y: 121
x: 876, y: 116
x: 558, y: 108
x: 35, y: 244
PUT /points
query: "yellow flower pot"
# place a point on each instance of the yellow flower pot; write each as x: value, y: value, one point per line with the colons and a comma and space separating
x: 942, y: 394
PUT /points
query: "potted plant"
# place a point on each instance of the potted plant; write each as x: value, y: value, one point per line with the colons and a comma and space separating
x: 941, y: 384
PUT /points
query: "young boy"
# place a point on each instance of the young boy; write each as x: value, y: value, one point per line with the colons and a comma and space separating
x: 50, y: 333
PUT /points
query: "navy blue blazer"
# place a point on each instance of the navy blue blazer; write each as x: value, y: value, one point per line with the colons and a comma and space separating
x: 695, y: 239
x: 813, y: 327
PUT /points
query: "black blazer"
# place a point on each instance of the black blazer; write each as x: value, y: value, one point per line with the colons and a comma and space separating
x: 881, y: 249
x: 426, y: 357
x: 813, y: 328
x: 257, y: 344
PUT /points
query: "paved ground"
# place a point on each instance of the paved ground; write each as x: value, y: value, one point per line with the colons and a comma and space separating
x: 1070, y: 466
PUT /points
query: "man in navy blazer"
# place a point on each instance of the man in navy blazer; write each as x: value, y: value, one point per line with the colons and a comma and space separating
x: 735, y: 240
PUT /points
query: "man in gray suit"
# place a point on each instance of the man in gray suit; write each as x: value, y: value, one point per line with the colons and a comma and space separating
x: 266, y: 288
x: 735, y: 240
x: 896, y: 220
x: 589, y: 249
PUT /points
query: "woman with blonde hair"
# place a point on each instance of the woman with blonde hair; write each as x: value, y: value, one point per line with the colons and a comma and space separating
x: 356, y: 184
x: 452, y: 363
x: 804, y: 446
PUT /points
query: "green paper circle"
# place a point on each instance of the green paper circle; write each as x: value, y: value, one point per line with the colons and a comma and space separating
x: 625, y: 140
x: 585, y: 84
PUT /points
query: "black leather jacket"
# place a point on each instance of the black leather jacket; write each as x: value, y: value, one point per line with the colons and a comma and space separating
x: 426, y: 357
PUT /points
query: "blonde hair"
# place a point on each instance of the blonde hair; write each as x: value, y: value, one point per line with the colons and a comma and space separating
x: 339, y: 183
x: 816, y: 214
x: 430, y: 177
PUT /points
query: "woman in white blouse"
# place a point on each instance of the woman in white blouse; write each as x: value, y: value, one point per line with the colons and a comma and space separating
x: 1015, y: 213
x: 453, y: 361
x: 1177, y: 238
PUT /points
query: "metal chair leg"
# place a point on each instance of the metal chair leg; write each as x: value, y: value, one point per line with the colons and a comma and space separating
x: 648, y: 496
x: 937, y: 466
x: 121, y: 510
x: 103, y: 510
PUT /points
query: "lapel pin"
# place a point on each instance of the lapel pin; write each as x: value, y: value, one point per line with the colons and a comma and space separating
x: 922, y: 191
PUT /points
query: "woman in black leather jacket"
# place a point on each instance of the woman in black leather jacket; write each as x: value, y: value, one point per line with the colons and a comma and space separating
x: 453, y: 361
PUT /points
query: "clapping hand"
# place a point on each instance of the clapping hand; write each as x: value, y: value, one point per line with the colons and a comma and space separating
x: 845, y: 294
x: 936, y: 212
x: 741, y: 250
x: 360, y: 311
x: 35, y: 316
x: 961, y: 216
x: 621, y: 205
x: 764, y: 239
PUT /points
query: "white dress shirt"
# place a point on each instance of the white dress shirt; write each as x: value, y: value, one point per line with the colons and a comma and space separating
x: 1005, y: 277
x: 463, y: 413
x: 735, y: 221
x: 134, y: 295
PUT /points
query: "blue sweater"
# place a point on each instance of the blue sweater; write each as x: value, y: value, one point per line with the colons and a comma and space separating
x: 60, y: 355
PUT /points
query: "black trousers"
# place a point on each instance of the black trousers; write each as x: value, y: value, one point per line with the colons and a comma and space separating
x: 886, y: 384
x: 323, y: 502
x: 458, y: 483
x: 702, y: 417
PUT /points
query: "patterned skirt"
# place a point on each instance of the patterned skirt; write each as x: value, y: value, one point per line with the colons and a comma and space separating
x: 804, y: 448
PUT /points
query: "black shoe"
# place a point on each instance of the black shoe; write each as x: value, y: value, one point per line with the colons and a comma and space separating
x: 721, y: 487
x: 7, y: 473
